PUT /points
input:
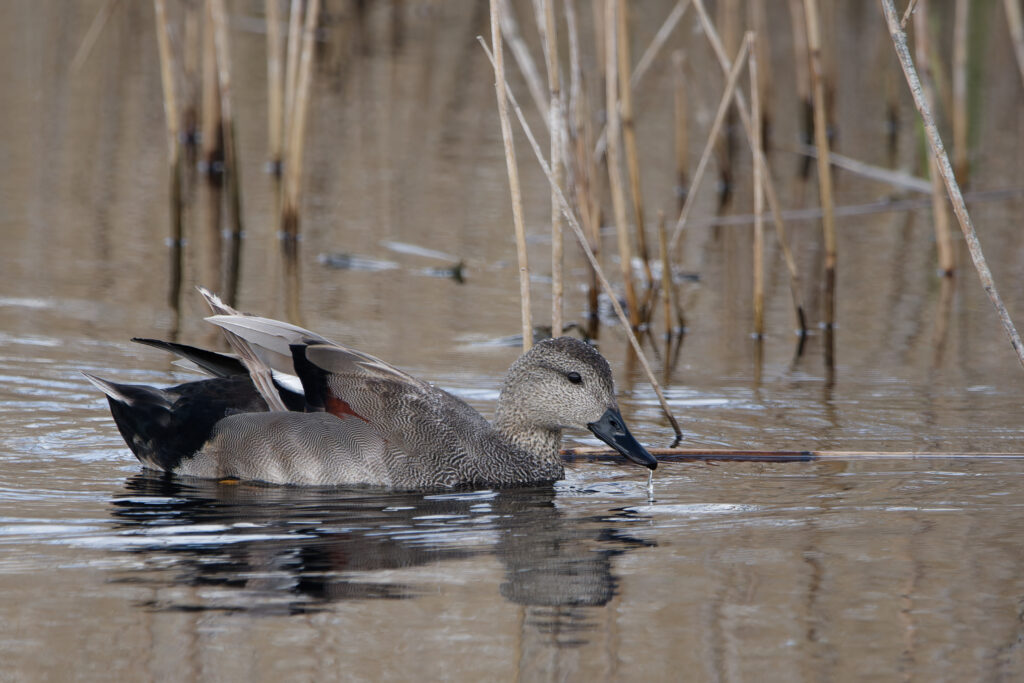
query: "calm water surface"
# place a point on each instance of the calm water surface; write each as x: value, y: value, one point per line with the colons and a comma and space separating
x: 831, y: 570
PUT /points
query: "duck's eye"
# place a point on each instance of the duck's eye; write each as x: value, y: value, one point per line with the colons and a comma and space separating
x: 574, y: 377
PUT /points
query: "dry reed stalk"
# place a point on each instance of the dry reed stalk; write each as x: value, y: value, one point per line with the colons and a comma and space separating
x: 557, y: 130
x: 759, y: 25
x: 275, y: 86
x: 99, y: 22
x: 231, y: 165
x: 169, y: 90
x: 290, y: 203
x: 629, y: 139
x: 729, y: 20
x: 521, y: 52
x: 513, y: 175
x: 716, y: 127
x: 190, y: 115
x: 291, y: 67
x: 574, y: 224
x: 1016, y: 26
x: 757, y: 147
x: 173, y: 148
x: 648, y: 57
x: 943, y: 238
x: 615, y: 179
x: 824, y: 167
x: 666, y: 279
x: 584, y: 168
x: 681, y: 128
x: 801, y: 64
x: 659, y: 40
x: 899, y: 41
x: 212, y: 131
x: 769, y: 187
x: 959, y: 113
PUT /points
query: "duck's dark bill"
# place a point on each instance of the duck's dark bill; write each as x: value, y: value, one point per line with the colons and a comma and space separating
x: 611, y: 429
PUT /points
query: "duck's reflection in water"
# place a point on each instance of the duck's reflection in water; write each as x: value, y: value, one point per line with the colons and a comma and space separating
x: 294, y: 550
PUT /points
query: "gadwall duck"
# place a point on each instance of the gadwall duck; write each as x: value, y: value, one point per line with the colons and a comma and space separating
x: 356, y: 420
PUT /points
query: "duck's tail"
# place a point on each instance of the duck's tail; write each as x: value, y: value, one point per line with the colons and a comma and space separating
x: 144, y: 417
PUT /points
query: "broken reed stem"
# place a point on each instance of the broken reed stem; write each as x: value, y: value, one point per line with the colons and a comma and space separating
x: 557, y: 130
x: 757, y: 147
x: 291, y: 69
x: 666, y: 277
x: 647, y: 59
x: 824, y: 167
x: 943, y: 238
x: 614, y: 160
x: 899, y: 41
x: 897, y: 179
x: 570, y: 216
x: 709, y: 146
x: 275, y: 86
x: 513, y: 175
x: 681, y: 128
x: 629, y: 138
x: 961, y: 165
x: 173, y: 148
x: 769, y: 187
x: 212, y: 131
x: 1016, y: 26
x: 297, y: 132
x: 231, y: 166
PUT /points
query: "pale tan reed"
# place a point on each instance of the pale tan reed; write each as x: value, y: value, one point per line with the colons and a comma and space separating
x: 513, y: 176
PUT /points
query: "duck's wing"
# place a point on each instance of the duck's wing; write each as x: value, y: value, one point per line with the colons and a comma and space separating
x: 268, y: 339
x: 409, y: 413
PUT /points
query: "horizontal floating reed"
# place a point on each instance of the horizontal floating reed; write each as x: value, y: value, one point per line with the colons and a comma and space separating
x: 586, y: 453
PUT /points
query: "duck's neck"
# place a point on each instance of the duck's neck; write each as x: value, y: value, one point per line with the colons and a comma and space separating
x: 542, y: 443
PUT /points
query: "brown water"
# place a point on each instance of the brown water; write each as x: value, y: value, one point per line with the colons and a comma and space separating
x: 840, y: 570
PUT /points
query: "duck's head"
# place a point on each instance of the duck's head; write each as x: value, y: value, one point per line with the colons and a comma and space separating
x: 565, y: 383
